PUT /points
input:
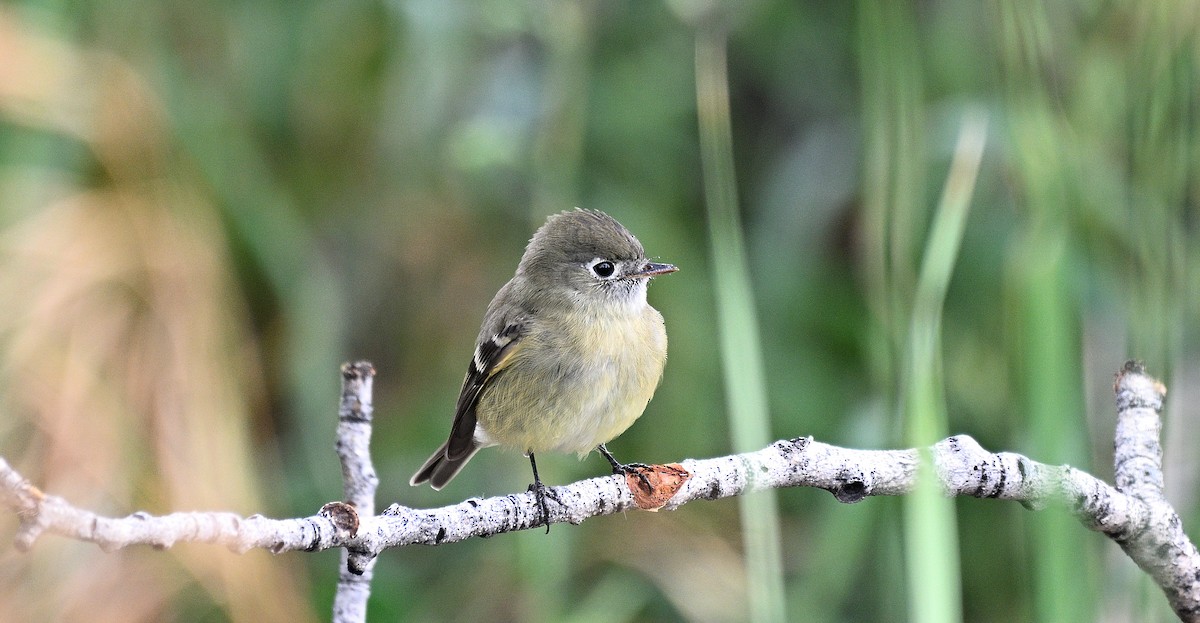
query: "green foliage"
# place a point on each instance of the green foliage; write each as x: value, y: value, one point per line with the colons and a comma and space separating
x: 365, y: 176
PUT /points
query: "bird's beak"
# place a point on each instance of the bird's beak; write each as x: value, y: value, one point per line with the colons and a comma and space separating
x: 651, y: 269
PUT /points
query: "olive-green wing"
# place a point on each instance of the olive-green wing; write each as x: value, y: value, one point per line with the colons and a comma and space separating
x: 490, y: 358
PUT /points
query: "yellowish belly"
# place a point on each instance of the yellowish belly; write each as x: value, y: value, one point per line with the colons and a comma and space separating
x: 571, y: 390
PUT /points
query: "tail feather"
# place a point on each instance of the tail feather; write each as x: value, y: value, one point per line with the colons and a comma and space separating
x: 439, y: 470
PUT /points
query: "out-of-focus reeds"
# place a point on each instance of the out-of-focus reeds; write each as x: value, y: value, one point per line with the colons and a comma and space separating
x: 205, y: 209
x: 128, y: 370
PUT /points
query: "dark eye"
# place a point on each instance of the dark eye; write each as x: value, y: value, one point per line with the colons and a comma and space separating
x: 604, y: 270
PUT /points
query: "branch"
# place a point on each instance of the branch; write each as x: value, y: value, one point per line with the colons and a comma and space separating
x: 1133, y: 513
x: 359, y: 482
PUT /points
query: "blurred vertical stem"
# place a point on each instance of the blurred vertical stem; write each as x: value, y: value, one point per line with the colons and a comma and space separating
x: 930, y: 530
x: 894, y: 174
x: 745, y: 386
x: 1048, y: 308
x: 894, y: 210
x: 1162, y: 120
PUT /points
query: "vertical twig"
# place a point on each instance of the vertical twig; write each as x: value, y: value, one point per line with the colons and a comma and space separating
x: 1158, y: 544
x: 359, y: 482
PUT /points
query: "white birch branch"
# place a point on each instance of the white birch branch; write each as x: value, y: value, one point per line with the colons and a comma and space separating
x: 1133, y: 513
x: 359, y: 482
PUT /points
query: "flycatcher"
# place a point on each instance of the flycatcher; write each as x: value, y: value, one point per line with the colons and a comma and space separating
x: 569, y: 353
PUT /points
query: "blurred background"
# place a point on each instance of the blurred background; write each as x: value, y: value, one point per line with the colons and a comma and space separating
x: 206, y: 208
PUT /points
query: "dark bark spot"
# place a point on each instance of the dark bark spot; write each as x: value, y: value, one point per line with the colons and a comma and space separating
x: 980, y: 490
x: 797, y: 443
x: 850, y: 491
x: 850, y: 486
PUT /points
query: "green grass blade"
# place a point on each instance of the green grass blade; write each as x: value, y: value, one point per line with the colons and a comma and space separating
x: 930, y: 528
x: 745, y: 384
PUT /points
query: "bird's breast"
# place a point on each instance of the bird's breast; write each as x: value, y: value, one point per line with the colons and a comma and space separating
x: 577, y: 381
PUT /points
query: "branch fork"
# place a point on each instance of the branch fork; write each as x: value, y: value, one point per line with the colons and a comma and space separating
x: 1133, y: 513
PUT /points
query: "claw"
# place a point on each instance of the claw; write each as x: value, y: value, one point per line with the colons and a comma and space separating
x: 628, y: 469
x: 541, y: 492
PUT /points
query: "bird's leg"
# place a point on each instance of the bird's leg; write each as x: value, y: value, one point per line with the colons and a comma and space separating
x: 626, y: 468
x: 541, y: 492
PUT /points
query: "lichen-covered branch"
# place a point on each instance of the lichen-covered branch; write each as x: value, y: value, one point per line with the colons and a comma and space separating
x: 1133, y: 513
x: 40, y: 513
x: 1157, y: 543
x: 359, y: 482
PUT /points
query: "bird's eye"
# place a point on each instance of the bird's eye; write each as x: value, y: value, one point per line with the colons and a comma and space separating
x: 604, y: 269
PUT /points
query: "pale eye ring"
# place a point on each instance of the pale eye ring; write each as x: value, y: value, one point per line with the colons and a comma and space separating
x: 604, y: 269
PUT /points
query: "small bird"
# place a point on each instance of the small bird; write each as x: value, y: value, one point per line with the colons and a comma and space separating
x: 569, y: 353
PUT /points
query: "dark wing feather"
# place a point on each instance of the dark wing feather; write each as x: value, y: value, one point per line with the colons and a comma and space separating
x: 490, y: 358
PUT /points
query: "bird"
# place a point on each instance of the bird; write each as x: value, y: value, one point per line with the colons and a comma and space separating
x: 569, y: 353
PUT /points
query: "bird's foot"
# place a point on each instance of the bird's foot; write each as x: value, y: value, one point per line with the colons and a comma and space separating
x: 541, y: 492
x: 628, y: 469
